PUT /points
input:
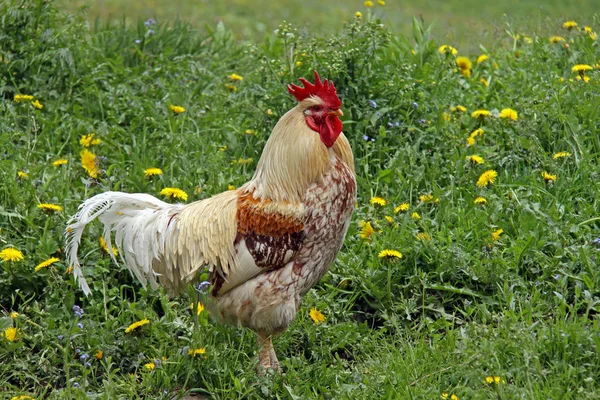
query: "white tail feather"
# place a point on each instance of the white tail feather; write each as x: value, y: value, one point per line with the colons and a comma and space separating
x: 140, y: 222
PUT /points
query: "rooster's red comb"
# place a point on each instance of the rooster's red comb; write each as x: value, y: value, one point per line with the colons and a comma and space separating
x: 324, y: 90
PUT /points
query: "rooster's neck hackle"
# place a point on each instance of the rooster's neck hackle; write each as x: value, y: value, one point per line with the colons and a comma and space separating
x: 294, y: 158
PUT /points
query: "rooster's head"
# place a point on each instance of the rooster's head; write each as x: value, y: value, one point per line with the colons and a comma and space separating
x: 321, y: 106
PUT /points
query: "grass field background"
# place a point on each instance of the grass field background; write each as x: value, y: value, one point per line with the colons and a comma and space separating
x: 482, y: 171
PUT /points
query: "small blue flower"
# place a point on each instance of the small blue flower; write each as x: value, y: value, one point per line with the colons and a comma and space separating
x: 80, y: 325
x: 150, y: 22
x: 372, y: 103
x: 76, y: 385
x: 203, y: 286
x: 78, y: 311
x: 157, y: 362
x: 138, y: 41
x: 60, y: 337
x: 84, y: 356
x: 423, y: 121
x: 151, y: 32
x: 415, y: 104
x: 77, y: 351
x: 87, y: 364
x: 390, y: 125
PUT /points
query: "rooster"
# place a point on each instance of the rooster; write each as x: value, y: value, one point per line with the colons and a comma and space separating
x: 265, y: 244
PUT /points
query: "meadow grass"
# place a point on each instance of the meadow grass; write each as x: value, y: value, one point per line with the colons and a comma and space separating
x: 492, y: 298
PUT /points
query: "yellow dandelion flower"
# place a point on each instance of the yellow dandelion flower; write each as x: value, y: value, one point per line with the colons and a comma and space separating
x: 463, y: 63
x: 489, y: 379
x: 46, y: 263
x: 69, y: 270
x: 548, y: 177
x: 230, y: 87
x: 496, y: 234
x: 561, y: 154
x: 446, y: 49
x: 390, y: 255
x: 378, y: 201
x: 556, y: 39
x: 230, y: 187
x: 497, y: 380
x: 235, y: 77
x: 104, y: 246
x: 470, y: 141
x: 99, y: 354
x: 423, y: 237
x: 149, y: 172
x: 22, y: 397
x: 402, y: 208
x: 569, y: 25
x: 37, y: 104
x: 509, y: 113
x: 11, y: 334
x: 197, y: 352
x: 389, y: 219
x: 477, y: 132
x: 475, y: 159
x: 177, y: 109
x: 381, y: 2
x: 174, y: 193
x: 60, y: 162
x: 368, y: 4
x: 149, y: 366
x: 358, y: 14
x: 366, y: 230
x: 458, y: 108
x: 581, y: 69
x: 317, y: 316
x: 11, y: 254
x: 14, y: 315
x: 444, y: 396
x: 50, y: 207
x: 199, y: 308
x: 22, y: 98
x: 23, y: 175
x: 88, y: 162
x: 480, y: 201
x: 584, y: 78
x: 454, y: 397
x: 480, y: 114
x: 222, y: 148
x: 486, y: 178
x: 250, y: 132
x: 484, y: 81
x: 415, y: 215
x: 593, y: 35
x: 482, y: 58
x: 89, y: 140
x: 136, y: 325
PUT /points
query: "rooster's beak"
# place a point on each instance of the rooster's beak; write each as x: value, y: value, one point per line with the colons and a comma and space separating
x: 337, y: 112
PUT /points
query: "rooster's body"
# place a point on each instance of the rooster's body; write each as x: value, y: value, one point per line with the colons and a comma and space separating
x: 265, y: 244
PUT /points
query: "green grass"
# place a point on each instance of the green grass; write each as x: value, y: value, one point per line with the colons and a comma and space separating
x: 454, y: 310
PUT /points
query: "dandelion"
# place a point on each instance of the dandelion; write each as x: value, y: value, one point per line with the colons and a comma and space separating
x: 486, y: 178
x: 88, y: 162
x: 22, y: 175
x: 480, y: 114
x: 250, y: 132
x: 50, y: 207
x: 136, y: 325
x: 149, y: 366
x: 480, y: 201
x: 484, y: 81
x: 556, y: 39
x: 509, y: 113
x: 458, y: 109
x: 60, y: 162
x: 581, y: 70
x: 415, y: 215
x: 446, y: 49
x: 150, y: 172
x: 496, y: 234
x: 368, y: 4
x: 561, y: 154
x: 11, y: 334
x: 174, y: 193
x: 548, y: 177
x: 378, y: 201
x: 470, y: 141
x: 391, y: 255
x: 235, y: 77
x: 569, y: 25
x: 69, y: 270
x: 11, y: 254
x: 89, y: 140
x: 381, y: 2
x: 423, y: 236
x: 317, y: 316
x: 358, y: 14
x: 177, y: 109
x: 199, y: 308
x: 14, y: 315
x: 366, y: 230
x: 104, y: 246
x: 477, y: 132
x: 475, y: 159
x: 46, y: 263
x: 99, y: 354
x: 197, y: 352
x: 402, y: 208
x: 428, y: 198
x: 482, y: 58
x: 389, y: 219
x: 222, y: 148
x: 230, y: 187
x: 465, y: 65
x: 22, y: 98
x: 37, y: 104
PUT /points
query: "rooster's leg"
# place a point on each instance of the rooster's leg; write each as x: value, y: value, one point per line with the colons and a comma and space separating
x: 264, y: 354
x: 274, y: 360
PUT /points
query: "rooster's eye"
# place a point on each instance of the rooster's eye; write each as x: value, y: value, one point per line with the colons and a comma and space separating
x: 316, y: 108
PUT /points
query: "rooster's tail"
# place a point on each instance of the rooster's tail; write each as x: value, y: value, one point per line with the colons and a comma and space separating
x: 140, y: 223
